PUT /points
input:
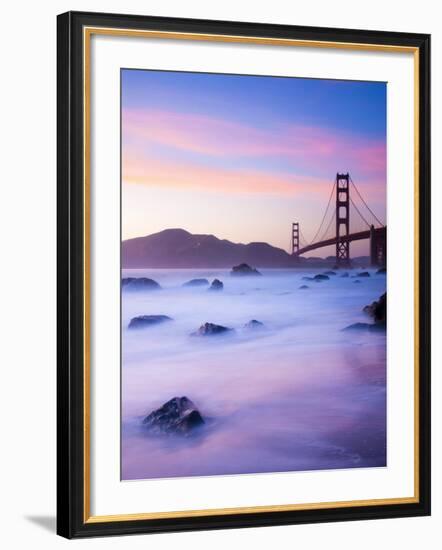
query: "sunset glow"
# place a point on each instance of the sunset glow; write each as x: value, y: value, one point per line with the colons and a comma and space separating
x: 242, y: 157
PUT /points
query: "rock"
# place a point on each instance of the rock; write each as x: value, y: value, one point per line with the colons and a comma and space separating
x: 178, y: 416
x: 321, y: 277
x: 139, y: 283
x: 216, y: 285
x: 345, y: 274
x: 378, y: 309
x: 254, y: 324
x: 197, y: 282
x: 244, y: 269
x: 381, y: 271
x: 329, y: 272
x: 303, y: 287
x: 363, y: 274
x: 357, y: 281
x: 211, y: 329
x: 364, y: 326
x: 307, y: 279
x: 144, y: 321
x: 358, y: 326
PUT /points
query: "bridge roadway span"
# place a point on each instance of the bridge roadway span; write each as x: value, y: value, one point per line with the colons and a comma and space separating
x: 360, y: 236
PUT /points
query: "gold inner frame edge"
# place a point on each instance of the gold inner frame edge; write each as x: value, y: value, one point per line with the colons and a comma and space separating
x: 87, y: 33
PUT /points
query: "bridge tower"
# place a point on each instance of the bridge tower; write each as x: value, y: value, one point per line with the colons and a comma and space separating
x: 378, y: 246
x: 342, y: 219
x: 295, y: 237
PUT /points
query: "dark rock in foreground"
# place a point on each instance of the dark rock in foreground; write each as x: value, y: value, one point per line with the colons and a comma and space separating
x: 139, y: 283
x: 381, y: 270
x: 144, y: 321
x: 178, y: 416
x: 321, y: 277
x: 244, y: 269
x: 329, y: 272
x: 363, y: 274
x: 197, y: 282
x: 211, y: 329
x: 216, y: 285
x: 303, y: 287
x: 345, y: 274
x: 254, y: 324
x: 378, y: 310
x: 364, y: 326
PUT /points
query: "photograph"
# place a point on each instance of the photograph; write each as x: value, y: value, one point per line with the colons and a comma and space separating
x: 253, y: 274
x: 238, y: 205
x: 208, y: 210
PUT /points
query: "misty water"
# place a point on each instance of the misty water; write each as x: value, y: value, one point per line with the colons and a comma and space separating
x: 298, y: 394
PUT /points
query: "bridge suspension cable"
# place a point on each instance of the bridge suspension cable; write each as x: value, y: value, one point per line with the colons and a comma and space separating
x: 359, y: 212
x: 366, y: 205
x: 302, y: 239
x: 325, y: 214
x: 332, y: 219
x: 325, y: 236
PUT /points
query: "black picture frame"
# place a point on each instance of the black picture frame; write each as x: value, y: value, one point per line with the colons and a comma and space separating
x: 71, y: 520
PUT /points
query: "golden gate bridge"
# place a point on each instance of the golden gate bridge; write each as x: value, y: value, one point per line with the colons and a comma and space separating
x: 335, y: 228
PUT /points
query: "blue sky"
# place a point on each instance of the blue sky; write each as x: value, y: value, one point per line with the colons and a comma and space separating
x: 218, y: 142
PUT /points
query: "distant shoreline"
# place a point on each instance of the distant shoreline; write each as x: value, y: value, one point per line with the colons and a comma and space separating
x: 179, y: 249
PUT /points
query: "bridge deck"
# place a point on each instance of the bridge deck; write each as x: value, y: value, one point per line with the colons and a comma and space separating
x: 361, y: 235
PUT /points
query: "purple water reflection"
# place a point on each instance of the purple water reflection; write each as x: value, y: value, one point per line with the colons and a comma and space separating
x: 299, y: 395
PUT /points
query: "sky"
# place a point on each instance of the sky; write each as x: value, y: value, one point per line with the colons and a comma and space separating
x: 242, y: 157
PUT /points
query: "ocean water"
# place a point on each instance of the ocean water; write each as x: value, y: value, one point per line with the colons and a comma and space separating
x: 300, y: 394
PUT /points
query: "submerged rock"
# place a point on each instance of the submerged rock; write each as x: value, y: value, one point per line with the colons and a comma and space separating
x: 197, y: 282
x: 378, y: 309
x: 139, y: 283
x: 329, y: 272
x: 307, y: 278
x: 303, y: 287
x: 363, y: 326
x: 254, y: 324
x: 381, y: 271
x: 211, y: 329
x: 363, y: 274
x: 178, y: 416
x: 321, y: 277
x: 357, y: 281
x: 358, y: 326
x: 144, y: 321
x: 345, y: 275
x: 216, y: 285
x: 244, y: 269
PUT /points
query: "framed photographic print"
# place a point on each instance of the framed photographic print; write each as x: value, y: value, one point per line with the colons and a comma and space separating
x: 226, y: 193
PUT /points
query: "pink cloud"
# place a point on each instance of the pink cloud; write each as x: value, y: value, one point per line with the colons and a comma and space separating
x: 211, y: 136
x: 152, y: 171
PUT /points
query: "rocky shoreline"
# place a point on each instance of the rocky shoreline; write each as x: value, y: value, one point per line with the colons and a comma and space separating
x: 180, y: 416
x: 376, y: 310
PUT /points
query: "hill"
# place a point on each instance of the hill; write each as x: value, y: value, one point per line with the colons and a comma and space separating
x: 177, y: 248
